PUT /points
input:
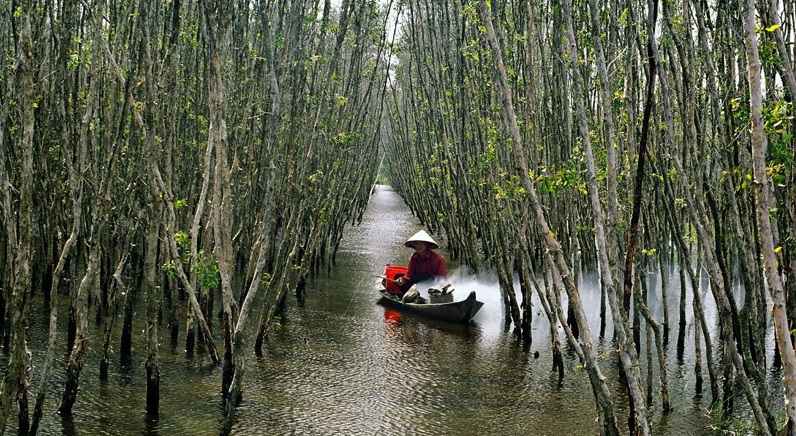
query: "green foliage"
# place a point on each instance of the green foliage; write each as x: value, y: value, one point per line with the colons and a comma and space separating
x: 740, y: 111
x: 740, y: 180
x: 624, y: 17
x: 316, y: 177
x: 79, y: 54
x: 559, y: 181
x: 170, y: 269
x: 767, y: 47
x: 723, y: 422
x: 344, y: 140
x: 179, y: 204
x: 471, y: 51
x: 189, y: 35
x: 341, y: 100
x: 649, y: 252
x: 206, y: 269
x: 182, y: 238
x: 323, y: 215
x: 778, y: 119
x: 509, y: 188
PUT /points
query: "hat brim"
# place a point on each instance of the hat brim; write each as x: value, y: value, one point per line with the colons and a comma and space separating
x: 421, y: 236
x: 432, y: 245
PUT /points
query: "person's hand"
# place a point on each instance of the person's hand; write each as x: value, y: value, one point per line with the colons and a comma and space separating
x: 399, y: 281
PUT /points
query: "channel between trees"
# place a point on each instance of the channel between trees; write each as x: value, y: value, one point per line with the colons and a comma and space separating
x: 203, y: 157
x: 545, y: 138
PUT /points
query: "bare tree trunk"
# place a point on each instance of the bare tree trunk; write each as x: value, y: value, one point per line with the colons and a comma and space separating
x: 74, y: 366
x: 657, y: 330
x: 762, y: 194
x: 698, y: 380
x: 76, y: 197
x: 217, y: 15
x: 117, y: 287
x: 16, y: 380
x: 552, y: 317
x: 640, y: 423
x: 785, y: 64
x: 238, y: 338
x: 152, y: 292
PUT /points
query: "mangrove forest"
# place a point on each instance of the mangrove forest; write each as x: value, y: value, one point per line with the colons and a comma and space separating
x: 176, y: 174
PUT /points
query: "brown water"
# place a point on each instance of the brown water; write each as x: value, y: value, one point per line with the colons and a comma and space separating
x: 340, y: 364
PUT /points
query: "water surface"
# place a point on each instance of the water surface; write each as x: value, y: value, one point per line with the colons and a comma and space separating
x: 340, y: 364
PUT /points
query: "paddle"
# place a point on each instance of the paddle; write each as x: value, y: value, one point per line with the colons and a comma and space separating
x: 385, y: 278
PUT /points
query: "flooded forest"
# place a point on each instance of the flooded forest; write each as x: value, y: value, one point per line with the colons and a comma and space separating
x: 176, y: 173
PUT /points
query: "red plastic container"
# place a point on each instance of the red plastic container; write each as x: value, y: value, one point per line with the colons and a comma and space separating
x: 392, y: 272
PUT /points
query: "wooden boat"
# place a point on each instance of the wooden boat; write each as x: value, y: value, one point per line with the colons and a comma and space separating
x: 456, y: 311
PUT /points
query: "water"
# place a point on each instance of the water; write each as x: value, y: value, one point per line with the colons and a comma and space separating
x: 340, y: 364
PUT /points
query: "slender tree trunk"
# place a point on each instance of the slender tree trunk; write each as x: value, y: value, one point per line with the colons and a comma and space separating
x: 217, y: 15
x: 16, y: 380
x: 698, y: 379
x: 552, y: 322
x: 762, y: 194
x: 117, y: 287
x: 664, y: 274
x: 640, y: 423
x: 74, y: 366
x: 151, y: 288
x: 152, y: 292
x: 657, y: 332
x: 681, y: 323
x: 238, y: 338
x: 785, y: 64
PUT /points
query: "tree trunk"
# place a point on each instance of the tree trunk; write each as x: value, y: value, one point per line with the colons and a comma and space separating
x: 217, y: 16
x: 117, y: 287
x: 74, y: 366
x: 762, y: 194
x: 76, y: 197
x: 152, y: 292
x: 16, y: 380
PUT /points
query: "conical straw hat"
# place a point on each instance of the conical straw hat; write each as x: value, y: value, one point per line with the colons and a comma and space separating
x: 422, y: 236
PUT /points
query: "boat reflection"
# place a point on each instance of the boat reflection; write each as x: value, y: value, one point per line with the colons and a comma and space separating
x: 392, y: 318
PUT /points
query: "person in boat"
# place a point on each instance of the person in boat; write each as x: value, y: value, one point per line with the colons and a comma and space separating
x: 424, y: 264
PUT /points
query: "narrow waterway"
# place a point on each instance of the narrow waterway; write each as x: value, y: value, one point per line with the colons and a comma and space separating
x: 340, y: 364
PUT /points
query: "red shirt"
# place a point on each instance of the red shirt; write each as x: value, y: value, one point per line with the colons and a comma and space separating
x: 426, y: 265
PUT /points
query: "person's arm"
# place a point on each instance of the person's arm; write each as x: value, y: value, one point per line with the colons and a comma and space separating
x: 407, y: 278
